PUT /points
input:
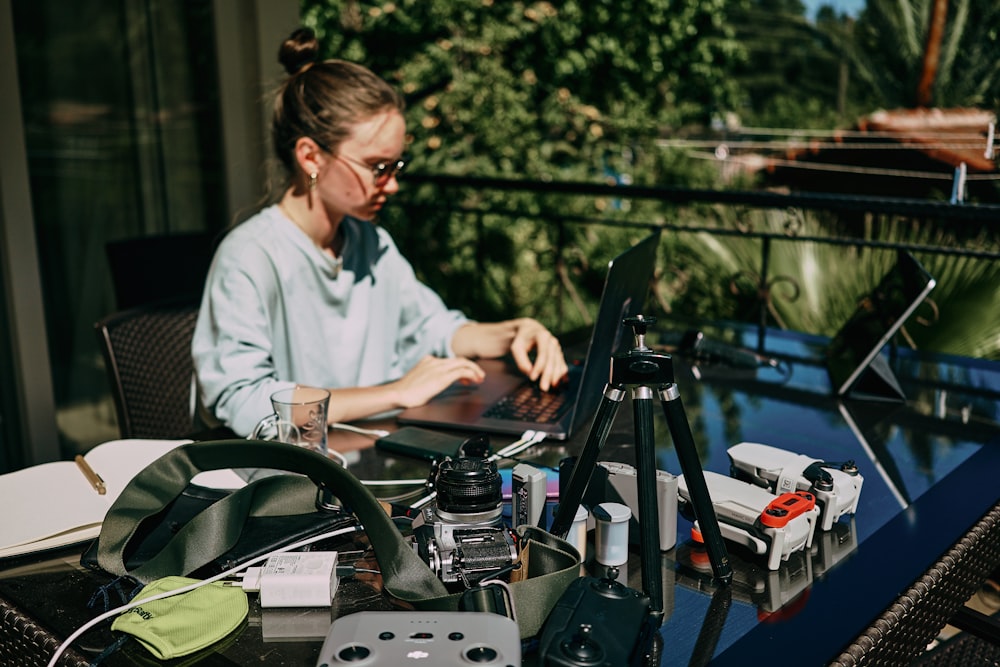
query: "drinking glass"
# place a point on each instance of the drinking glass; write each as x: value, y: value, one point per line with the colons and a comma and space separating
x: 299, y: 418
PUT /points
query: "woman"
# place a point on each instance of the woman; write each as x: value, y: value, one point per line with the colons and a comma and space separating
x: 308, y: 291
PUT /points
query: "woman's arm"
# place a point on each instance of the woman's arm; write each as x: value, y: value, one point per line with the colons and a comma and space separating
x: 429, y: 377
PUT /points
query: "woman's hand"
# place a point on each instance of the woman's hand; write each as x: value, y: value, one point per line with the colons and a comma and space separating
x: 520, y: 337
x: 431, y: 376
x: 549, y: 367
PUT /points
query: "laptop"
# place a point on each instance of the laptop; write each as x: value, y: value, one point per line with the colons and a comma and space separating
x: 496, y: 405
x: 853, y: 361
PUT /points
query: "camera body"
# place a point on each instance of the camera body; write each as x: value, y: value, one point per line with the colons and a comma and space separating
x: 462, y: 536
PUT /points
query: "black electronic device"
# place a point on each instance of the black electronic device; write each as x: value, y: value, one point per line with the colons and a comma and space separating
x: 695, y: 345
x: 597, y: 623
x: 430, y: 445
x: 855, y: 366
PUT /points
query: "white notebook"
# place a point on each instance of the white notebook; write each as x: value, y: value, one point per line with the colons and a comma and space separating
x: 56, y: 504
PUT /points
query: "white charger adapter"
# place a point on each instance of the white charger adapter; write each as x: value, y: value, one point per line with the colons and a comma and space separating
x: 295, y: 579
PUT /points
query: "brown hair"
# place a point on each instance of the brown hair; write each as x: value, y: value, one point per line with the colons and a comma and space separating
x: 322, y: 100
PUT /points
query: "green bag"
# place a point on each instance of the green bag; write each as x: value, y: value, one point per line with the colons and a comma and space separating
x: 552, y: 563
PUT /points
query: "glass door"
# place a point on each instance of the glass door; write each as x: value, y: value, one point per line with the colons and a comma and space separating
x: 122, y: 130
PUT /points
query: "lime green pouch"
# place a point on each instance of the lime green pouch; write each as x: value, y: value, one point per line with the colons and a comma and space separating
x: 181, y: 624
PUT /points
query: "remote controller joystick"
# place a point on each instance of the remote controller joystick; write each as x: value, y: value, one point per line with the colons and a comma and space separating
x: 582, y: 647
x: 353, y: 653
x: 597, y: 622
x: 481, y: 655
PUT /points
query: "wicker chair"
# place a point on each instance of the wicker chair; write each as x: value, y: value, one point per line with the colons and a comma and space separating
x: 147, y: 354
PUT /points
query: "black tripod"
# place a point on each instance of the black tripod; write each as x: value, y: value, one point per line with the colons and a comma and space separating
x: 645, y: 370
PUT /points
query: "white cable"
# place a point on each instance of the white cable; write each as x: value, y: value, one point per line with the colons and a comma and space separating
x: 835, y: 167
x: 341, y: 459
x: 528, y: 438
x: 845, y: 133
x: 534, y: 440
x: 749, y: 144
x: 393, y: 482
x: 373, y: 432
x: 423, y: 501
x: 503, y: 452
x: 190, y: 587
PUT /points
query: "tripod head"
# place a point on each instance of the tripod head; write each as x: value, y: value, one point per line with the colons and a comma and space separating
x: 641, y: 365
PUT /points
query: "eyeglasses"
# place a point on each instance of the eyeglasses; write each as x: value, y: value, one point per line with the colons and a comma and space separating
x: 381, y: 171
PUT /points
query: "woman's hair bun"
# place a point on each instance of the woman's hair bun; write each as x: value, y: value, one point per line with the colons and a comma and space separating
x: 300, y: 50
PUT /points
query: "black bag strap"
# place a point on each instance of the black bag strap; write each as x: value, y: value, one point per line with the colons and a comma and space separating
x: 552, y: 563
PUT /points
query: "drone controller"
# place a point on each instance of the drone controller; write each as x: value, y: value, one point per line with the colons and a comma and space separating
x: 597, y: 623
x: 837, y: 486
x: 756, y: 518
x: 392, y: 638
x: 623, y: 483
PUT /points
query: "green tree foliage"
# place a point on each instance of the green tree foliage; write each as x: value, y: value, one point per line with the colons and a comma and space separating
x: 887, y: 44
x: 581, y: 90
x: 791, y: 77
x: 574, y: 90
x: 538, y: 89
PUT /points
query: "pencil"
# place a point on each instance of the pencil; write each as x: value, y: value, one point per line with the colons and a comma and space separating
x: 92, y: 477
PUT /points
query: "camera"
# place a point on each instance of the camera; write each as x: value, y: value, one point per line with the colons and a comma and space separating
x: 462, y: 536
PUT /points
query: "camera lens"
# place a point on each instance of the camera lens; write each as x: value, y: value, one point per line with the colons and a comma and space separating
x: 468, y: 486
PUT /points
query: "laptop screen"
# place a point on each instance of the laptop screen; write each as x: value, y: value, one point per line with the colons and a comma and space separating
x: 628, y: 277
x: 475, y: 407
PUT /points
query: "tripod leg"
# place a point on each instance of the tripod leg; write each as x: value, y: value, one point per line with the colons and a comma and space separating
x: 585, y: 463
x: 701, y: 500
x: 711, y: 627
x: 649, y: 525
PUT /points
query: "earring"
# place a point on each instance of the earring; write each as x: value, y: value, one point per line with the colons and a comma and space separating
x: 312, y: 181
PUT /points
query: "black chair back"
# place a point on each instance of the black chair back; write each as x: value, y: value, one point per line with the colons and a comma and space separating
x: 147, y: 354
x: 149, y: 269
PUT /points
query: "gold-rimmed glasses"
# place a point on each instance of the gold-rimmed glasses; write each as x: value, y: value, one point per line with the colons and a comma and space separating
x: 381, y: 171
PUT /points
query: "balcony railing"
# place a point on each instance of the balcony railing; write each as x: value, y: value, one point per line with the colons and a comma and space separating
x: 500, y: 247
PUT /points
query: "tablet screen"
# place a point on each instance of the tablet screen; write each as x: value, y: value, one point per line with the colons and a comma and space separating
x: 877, y: 317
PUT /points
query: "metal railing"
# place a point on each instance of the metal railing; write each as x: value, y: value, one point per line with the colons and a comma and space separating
x: 962, y: 230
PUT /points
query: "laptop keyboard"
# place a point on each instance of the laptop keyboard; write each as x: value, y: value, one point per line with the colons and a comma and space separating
x: 531, y: 404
